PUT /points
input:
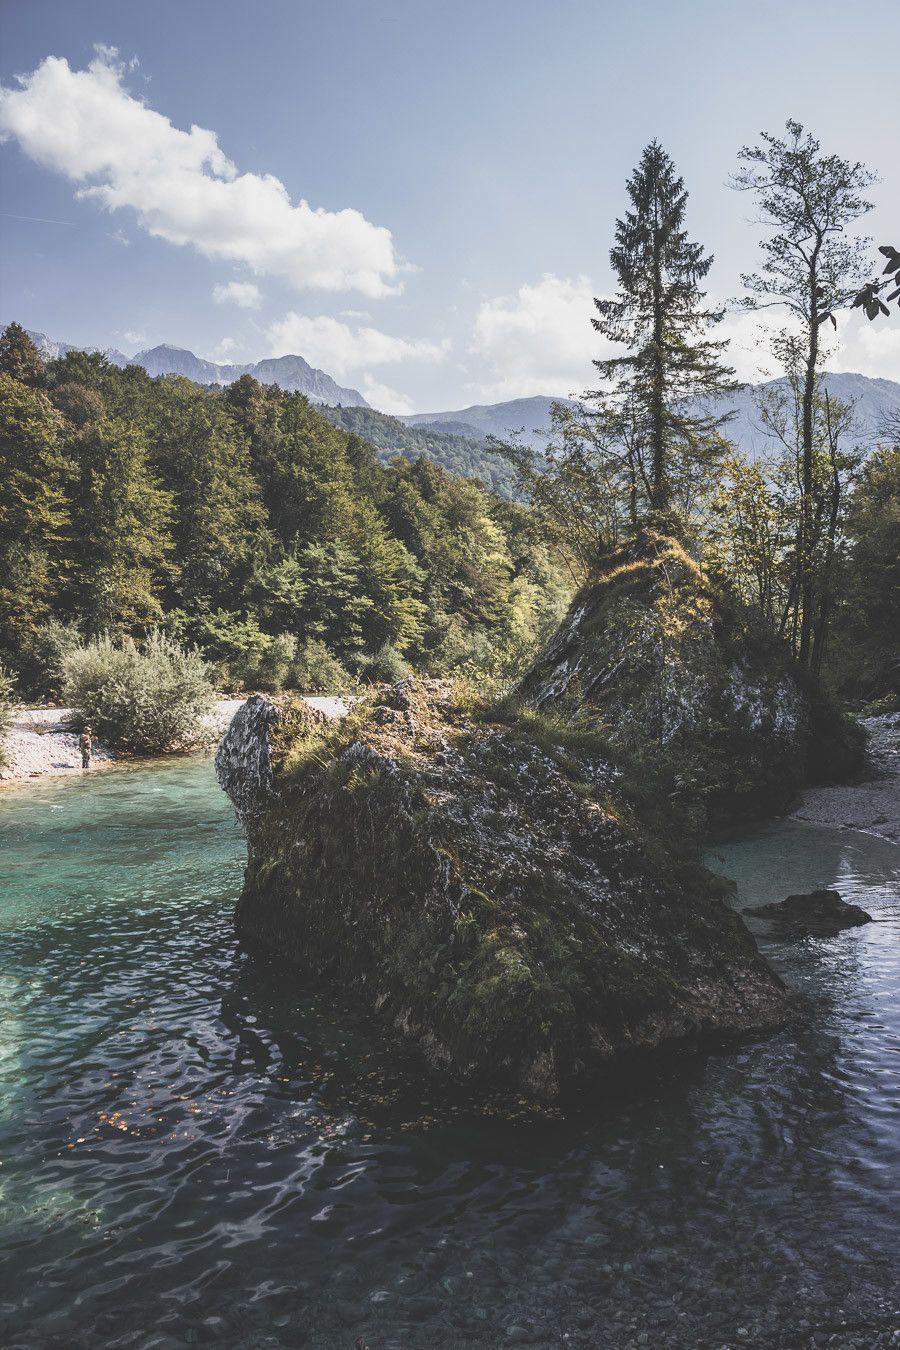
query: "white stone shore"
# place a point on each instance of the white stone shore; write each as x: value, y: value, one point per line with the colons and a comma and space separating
x: 39, y: 746
x: 872, y: 806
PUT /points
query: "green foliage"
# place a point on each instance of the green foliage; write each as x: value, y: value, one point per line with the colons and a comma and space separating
x: 244, y: 522
x: 384, y: 666
x: 756, y: 516
x: 659, y: 315
x: 35, y: 516
x: 120, y: 520
x: 7, y: 685
x: 316, y: 670
x: 218, y: 520
x: 467, y: 456
x: 812, y: 265
x: 43, y: 661
x: 274, y: 669
x: 19, y: 357
x: 866, y: 663
x: 231, y: 642
x: 145, y: 700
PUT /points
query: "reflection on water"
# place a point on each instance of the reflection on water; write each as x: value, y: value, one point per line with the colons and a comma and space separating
x: 193, y: 1153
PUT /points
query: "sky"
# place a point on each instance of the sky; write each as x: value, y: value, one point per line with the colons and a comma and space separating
x: 418, y: 197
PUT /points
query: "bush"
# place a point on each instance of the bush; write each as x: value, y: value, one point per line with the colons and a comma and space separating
x: 241, y: 654
x: 386, y: 665
x: 146, y: 700
x: 273, y: 669
x: 233, y: 643
x: 316, y: 670
x: 6, y: 697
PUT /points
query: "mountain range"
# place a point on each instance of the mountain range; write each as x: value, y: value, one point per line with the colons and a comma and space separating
x: 873, y: 400
x: 289, y: 372
x: 445, y: 436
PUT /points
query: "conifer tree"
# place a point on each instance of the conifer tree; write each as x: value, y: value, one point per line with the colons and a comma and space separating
x: 19, y: 357
x: 672, y: 367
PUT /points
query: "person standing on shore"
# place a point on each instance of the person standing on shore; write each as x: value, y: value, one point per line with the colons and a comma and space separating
x: 85, y: 745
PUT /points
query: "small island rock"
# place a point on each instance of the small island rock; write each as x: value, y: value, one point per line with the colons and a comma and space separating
x: 818, y: 914
x: 484, y: 883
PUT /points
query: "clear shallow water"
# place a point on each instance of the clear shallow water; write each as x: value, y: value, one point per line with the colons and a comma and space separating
x: 193, y: 1154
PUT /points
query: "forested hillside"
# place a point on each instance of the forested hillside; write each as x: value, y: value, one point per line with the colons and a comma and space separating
x: 245, y: 522
x: 460, y: 453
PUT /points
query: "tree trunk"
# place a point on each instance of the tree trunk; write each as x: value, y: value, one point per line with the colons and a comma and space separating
x: 658, y: 467
x: 806, y: 502
x: 826, y: 589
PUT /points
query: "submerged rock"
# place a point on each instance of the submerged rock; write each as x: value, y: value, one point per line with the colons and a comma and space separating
x: 819, y: 914
x: 485, y: 884
x: 710, y: 709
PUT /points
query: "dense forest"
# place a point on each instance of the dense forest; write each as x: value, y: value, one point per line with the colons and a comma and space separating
x: 460, y: 454
x: 243, y: 522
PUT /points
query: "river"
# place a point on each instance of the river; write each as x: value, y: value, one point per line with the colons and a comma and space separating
x: 194, y: 1153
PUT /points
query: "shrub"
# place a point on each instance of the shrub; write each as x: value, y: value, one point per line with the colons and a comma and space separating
x: 316, y: 670
x: 273, y: 668
x: 6, y: 692
x: 146, y: 700
x: 386, y: 664
x: 233, y: 643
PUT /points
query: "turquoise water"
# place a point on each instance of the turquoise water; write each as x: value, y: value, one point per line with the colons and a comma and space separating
x: 195, y: 1150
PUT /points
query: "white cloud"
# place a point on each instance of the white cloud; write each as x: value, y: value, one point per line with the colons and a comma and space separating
x: 750, y: 334
x: 384, y: 398
x: 242, y: 293
x: 120, y: 237
x: 868, y: 348
x: 86, y: 125
x: 539, y: 340
x: 856, y: 345
x: 224, y: 348
x: 342, y: 350
x: 135, y: 339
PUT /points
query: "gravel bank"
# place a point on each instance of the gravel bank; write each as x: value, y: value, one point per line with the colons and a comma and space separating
x: 39, y: 746
x: 873, y: 805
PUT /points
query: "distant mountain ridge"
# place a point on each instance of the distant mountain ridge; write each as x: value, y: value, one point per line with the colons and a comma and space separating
x: 874, y: 399
x: 288, y: 372
x: 531, y: 416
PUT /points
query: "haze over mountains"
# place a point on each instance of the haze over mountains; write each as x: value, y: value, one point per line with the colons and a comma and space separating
x: 873, y: 399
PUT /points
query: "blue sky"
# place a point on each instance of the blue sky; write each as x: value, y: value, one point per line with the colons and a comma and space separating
x: 463, y: 166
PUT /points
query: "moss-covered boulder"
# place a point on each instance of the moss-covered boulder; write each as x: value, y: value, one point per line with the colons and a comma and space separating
x: 484, y: 884
x: 709, y: 709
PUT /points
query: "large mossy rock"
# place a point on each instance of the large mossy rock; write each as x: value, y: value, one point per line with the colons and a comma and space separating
x: 708, y: 708
x: 484, y: 884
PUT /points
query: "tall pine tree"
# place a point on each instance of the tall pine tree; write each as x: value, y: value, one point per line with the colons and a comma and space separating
x: 663, y: 386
